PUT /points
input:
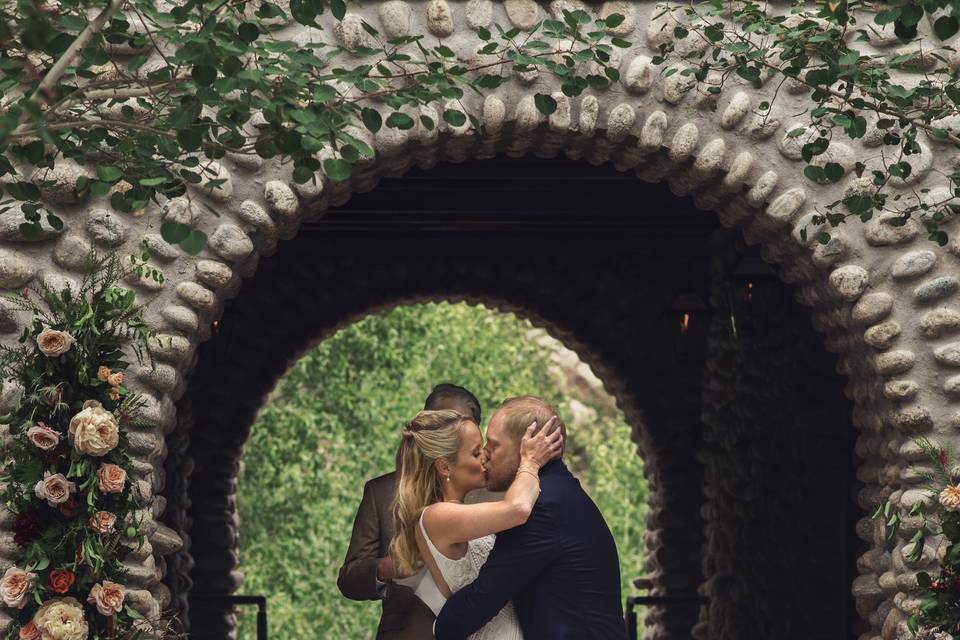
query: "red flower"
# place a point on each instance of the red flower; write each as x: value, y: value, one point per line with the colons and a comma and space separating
x: 71, y: 507
x: 60, y: 580
x: 27, y: 526
x: 943, y: 457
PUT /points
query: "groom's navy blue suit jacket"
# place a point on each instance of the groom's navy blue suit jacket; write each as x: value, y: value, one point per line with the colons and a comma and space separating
x: 560, y: 569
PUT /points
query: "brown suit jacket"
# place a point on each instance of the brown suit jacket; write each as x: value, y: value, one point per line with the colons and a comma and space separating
x: 404, y: 616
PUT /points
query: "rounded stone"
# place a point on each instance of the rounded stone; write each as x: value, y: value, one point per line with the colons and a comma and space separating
x: 494, y: 114
x: 589, y: 111
x: 254, y: 215
x: 523, y: 14
x: 948, y: 354
x: 880, y: 234
x: 230, y: 243
x: 899, y: 390
x: 676, y: 86
x: 10, y: 222
x: 913, y: 420
x: 169, y: 347
x: 787, y: 204
x: 395, y: 18
x: 72, y: 252
x: 213, y: 274
x: 160, y: 248
x: 763, y: 187
x: 281, y: 199
x: 684, y: 142
x: 940, y: 322
x: 937, y: 288
x: 873, y: 307
x: 145, y: 280
x: 639, y: 76
x: 894, y: 362
x: 197, y: 296
x: 181, y: 211
x: 439, y: 18
x: 16, y: 269
x: 350, y: 32
x: 214, y: 171
x: 651, y: 136
x: 951, y: 386
x: 710, y: 159
x: 479, y: 13
x: 58, y: 184
x: 180, y: 317
x: 736, y: 111
x: 849, y: 281
x: 882, y: 336
x: 526, y: 116
x: 739, y: 170
x: 560, y: 119
x: 913, y: 264
x: 106, y: 229
x: 620, y: 122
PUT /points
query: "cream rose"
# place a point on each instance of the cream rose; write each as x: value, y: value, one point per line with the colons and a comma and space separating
x: 30, y: 631
x: 94, y: 431
x: 54, y: 343
x: 61, y: 619
x: 54, y: 488
x: 43, y: 437
x: 15, y: 587
x: 116, y: 379
x: 114, y: 393
x: 103, y: 522
x: 111, y: 477
x: 103, y: 373
x: 950, y: 498
x: 108, y: 596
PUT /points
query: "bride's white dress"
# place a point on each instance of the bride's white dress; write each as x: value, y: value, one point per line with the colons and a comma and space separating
x: 459, y: 573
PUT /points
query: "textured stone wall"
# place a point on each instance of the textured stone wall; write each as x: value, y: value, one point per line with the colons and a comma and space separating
x: 885, y: 299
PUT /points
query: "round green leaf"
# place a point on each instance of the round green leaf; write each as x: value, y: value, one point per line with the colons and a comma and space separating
x: 545, y: 104
x: 946, y: 26
x: 109, y: 173
x: 454, y: 117
x: 195, y: 242
x: 174, y: 232
x: 204, y: 74
x: 398, y: 120
x: 336, y: 169
x: 371, y: 119
x: 248, y: 32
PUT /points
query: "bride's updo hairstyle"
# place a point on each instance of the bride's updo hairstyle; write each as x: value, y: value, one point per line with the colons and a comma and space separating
x: 430, y: 436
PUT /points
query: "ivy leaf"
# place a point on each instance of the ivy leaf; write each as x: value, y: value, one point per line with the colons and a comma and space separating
x: 109, y: 173
x: 946, y: 26
x: 816, y: 174
x: 336, y: 169
x: 545, y: 104
x: 338, y: 8
x: 833, y: 171
x: 858, y: 205
x: 195, y: 242
x: 613, y: 20
x: 371, y: 119
x: 174, y: 232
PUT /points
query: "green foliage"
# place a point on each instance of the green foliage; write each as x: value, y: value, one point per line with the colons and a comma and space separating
x: 333, y: 422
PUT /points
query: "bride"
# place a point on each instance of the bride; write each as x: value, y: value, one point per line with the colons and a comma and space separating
x: 441, y: 460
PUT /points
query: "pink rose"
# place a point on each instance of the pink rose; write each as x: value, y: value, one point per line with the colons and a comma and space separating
x: 15, y: 587
x: 112, y: 478
x: 103, y: 522
x: 54, y: 488
x: 116, y: 379
x: 43, y: 437
x: 54, y: 343
x: 29, y: 631
x: 108, y: 596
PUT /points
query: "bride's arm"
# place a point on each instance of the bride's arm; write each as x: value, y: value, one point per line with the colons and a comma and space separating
x: 450, y: 522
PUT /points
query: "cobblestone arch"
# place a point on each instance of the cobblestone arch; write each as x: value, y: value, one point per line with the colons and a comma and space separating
x: 883, y: 298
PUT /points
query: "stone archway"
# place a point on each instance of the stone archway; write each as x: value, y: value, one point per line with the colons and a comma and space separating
x: 884, y: 299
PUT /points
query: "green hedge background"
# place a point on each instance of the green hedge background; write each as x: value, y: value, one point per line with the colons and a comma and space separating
x: 333, y: 421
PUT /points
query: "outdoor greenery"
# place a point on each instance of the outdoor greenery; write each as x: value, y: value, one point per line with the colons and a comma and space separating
x: 333, y: 422
x: 152, y: 93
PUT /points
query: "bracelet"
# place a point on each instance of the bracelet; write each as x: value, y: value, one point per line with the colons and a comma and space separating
x: 519, y: 471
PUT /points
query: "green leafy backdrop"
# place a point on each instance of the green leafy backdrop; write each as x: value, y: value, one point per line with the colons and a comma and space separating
x: 332, y: 422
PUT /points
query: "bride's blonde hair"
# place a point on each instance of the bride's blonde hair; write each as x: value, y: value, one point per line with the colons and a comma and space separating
x: 430, y: 436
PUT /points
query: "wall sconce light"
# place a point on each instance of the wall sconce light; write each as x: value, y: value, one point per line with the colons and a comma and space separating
x: 686, y: 314
x: 745, y: 287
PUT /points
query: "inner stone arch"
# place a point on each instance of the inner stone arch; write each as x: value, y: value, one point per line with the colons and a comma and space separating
x: 607, y: 295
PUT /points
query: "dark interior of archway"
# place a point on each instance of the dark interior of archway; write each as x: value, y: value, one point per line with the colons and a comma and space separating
x: 756, y: 427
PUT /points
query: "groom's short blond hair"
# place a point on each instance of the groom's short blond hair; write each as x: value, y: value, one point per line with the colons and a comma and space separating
x: 519, y: 412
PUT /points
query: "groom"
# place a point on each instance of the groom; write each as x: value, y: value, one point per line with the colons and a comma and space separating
x: 560, y: 568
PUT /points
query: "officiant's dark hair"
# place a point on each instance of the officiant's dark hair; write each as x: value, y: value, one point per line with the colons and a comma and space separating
x: 447, y: 391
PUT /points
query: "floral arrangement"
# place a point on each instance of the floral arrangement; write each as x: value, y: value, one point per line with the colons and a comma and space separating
x: 938, y: 514
x: 65, y: 463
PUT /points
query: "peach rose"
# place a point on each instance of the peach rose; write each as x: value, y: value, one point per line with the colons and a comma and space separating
x: 30, y: 631
x: 108, y: 596
x: 950, y: 498
x: 116, y: 379
x: 114, y: 393
x: 54, y: 343
x: 61, y: 619
x: 103, y: 373
x: 111, y: 477
x: 103, y: 522
x: 94, y: 430
x: 43, y: 437
x: 54, y: 488
x: 15, y: 587
x: 60, y: 580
